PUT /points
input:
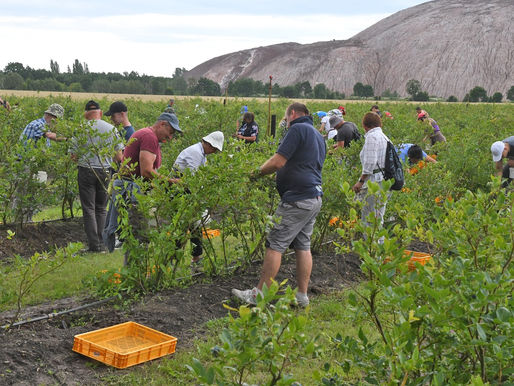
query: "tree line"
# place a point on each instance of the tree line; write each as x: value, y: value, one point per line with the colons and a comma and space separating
x: 78, y: 78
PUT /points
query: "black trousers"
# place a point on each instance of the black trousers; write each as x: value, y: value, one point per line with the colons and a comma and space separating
x: 93, y: 198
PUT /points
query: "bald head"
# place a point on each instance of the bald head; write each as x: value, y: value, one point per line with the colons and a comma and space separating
x: 93, y: 114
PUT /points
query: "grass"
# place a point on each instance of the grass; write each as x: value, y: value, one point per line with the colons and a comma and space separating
x: 55, y: 213
x: 68, y: 280
x: 328, y: 315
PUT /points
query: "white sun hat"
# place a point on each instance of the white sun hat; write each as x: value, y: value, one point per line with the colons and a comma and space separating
x: 216, y: 139
x: 497, y: 150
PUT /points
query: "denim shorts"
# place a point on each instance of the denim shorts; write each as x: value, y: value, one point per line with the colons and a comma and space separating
x: 294, y: 226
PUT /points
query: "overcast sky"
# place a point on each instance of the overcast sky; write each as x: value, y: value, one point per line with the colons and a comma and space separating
x: 155, y: 37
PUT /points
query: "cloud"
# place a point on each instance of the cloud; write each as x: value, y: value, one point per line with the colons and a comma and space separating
x: 155, y: 44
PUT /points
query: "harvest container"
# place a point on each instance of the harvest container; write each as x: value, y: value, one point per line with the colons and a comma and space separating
x: 210, y: 233
x: 123, y: 345
x: 416, y: 257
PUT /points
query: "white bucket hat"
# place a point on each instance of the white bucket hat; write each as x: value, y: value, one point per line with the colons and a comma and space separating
x: 216, y: 139
x: 497, y: 150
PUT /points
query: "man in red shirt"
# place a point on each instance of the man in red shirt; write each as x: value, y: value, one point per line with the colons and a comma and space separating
x: 144, y: 152
x: 144, y: 158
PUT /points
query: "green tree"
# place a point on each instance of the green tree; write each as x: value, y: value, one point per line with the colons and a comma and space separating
x: 358, y: 89
x: 497, y: 97
x: 205, y: 86
x: 510, y: 94
x: 413, y: 87
x: 320, y: 91
x: 477, y: 94
x: 367, y: 91
x: 288, y: 92
x: 421, y: 96
x: 77, y: 67
x: 452, y: 98
x: 54, y: 67
x: 13, y: 81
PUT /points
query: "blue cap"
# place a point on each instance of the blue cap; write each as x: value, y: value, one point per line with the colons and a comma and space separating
x: 171, y: 119
x: 320, y: 113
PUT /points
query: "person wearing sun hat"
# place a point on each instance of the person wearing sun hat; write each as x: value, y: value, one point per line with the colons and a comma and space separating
x: 192, y: 158
x: 40, y: 128
x: 504, y: 150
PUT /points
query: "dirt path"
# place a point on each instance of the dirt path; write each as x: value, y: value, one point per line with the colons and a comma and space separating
x: 41, y: 352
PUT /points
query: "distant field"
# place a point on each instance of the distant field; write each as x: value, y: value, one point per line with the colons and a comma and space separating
x: 158, y: 98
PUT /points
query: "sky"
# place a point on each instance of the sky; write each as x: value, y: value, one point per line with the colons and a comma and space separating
x: 155, y: 37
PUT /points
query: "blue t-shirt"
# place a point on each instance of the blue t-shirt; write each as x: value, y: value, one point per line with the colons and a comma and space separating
x: 402, y: 151
x: 127, y: 132
x: 305, y: 151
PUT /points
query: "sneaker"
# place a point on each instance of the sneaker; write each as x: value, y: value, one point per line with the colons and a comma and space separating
x: 302, y: 299
x: 247, y: 296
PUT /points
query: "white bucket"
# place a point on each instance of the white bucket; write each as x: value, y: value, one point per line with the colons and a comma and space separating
x: 41, y: 176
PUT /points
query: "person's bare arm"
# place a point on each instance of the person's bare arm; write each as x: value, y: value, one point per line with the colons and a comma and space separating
x: 251, y: 139
x: 430, y: 159
x: 146, y: 160
x: 118, y: 157
x: 274, y: 163
x: 52, y: 136
x: 499, y: 167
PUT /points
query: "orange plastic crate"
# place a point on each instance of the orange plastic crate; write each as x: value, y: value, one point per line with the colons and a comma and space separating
x: 416, y: 257
x: 123, y: 345
x: 210, y: 233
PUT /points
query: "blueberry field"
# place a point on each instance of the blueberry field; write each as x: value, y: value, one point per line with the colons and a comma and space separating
x: 449, y: 321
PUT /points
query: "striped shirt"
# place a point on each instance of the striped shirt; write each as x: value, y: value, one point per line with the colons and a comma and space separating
x: 373, y: 154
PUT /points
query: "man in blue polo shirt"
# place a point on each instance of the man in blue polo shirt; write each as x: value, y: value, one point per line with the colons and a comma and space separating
x: 298, y: 163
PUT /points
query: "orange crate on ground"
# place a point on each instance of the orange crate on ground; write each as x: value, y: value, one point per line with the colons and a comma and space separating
x: 123, y: 345
x: 416, y: 257
x: 210, y: 233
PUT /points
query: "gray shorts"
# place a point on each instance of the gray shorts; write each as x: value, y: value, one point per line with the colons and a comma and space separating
x: 294, y: 228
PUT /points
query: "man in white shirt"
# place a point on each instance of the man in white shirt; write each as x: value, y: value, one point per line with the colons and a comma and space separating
x: 192, y: 158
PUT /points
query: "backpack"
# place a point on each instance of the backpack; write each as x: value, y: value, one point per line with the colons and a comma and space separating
x: 393, y: 167
x: 356, y: 134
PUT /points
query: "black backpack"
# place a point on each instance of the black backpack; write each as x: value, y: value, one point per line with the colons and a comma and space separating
x: 393, y: 167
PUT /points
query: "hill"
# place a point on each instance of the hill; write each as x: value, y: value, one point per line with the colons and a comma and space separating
x: 450, y: 46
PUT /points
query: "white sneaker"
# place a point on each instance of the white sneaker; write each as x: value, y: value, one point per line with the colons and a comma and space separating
x: 302, y: 299
x: 247, y: 296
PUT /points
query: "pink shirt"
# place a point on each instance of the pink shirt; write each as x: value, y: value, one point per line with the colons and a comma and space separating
x: 144, y: 139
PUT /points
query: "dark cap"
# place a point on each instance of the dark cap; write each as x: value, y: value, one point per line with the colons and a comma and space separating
x: 116, y: 107
x: 171, y: 119
x: 92, y: 105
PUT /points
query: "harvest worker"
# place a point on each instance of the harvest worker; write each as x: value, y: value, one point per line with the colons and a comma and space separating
x: 325, y: 129
x: 500, y: 150
x: 5, y: 104
x: 436, y: 135
x: 119, y: 116
x: 92, y: 152
x: 170, y: 108
x: 376, y: 110
x: 249, y: 130
x: 346, y: 132
x: 298, y: 163
x: 192, y: 158
x: 41, y: 127
x: 413, y: 153
x: 143, y: 155
x: 372, y: 158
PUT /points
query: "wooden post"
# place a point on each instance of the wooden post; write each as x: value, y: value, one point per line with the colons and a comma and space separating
x: 268, y: 130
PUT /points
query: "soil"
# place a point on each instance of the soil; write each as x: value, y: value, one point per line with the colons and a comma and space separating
x: 40, y: 237
x: 41, y: 352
